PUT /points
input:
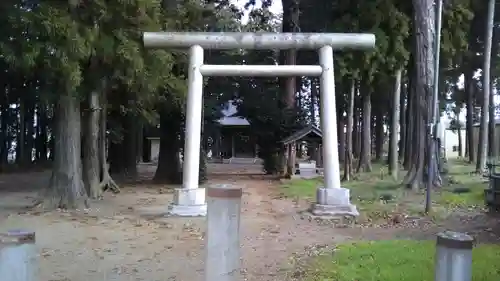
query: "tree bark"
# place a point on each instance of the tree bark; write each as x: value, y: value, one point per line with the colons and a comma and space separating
x: 469, y: 90
x: 139, y: 141
x: 410, y: 110
x: 366, y: 138
x: 146, y: 148
x: 493, y: 148
x: 41, y: 139
x: 21, y: 134
x: 288, y: 57
x: 169, y: 167
x: 91, y: 146
x: 314, y: 97
x: 130, y: 144
x: 379, y: 135
x: 402, y: 123
x: 66, y: 189
x: 395, y: 128
x: 424, y: 33
x: 460, y: 144
x: 107, y: 181
x: 483, y: 130
x: 30, y: 130
x: 4, y: 139
x: 341, y: 136
x: 123, y: 150
x: 357, y: 132
x: 349, y: 132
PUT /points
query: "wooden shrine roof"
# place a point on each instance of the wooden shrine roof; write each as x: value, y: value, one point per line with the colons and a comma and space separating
x: 309, y: 131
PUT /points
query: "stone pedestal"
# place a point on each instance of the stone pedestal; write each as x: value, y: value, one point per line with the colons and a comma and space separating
x: 333, y: 202
x: 188, y: 203
x: 306, y: 170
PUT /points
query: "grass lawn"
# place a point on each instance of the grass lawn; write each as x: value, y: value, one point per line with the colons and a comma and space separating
x: 402, y: 260
x: 370, y: 191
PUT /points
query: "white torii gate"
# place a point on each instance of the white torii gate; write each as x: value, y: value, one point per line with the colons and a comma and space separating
x: 190, y: 199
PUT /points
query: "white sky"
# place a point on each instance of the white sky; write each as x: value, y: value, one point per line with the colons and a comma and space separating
x: 276, y: 8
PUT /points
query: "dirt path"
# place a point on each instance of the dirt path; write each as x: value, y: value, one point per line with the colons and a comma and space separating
x: 118, y: 239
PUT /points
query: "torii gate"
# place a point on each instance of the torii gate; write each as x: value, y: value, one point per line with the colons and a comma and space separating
x: 190, y: 199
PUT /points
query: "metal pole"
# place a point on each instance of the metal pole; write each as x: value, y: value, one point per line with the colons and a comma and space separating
x: 453, y: 256
x: 434, y: 111
x: 194, y: 119
x: 18, y: 257
x: 222, y: 261
x: 328, y: 119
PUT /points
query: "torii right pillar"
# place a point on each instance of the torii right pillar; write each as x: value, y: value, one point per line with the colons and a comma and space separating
x: 332, y: 200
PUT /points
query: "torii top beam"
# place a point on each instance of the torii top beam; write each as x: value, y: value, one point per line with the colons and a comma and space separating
x: 265, y: 40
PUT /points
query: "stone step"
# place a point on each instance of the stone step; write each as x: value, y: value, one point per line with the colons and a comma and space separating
x: 238, y: 160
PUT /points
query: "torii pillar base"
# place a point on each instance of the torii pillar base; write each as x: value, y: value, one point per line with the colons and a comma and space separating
x: 188, y: 203
x: 333, y: 202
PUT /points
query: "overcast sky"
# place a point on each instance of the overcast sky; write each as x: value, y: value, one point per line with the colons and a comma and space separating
x: 275, y: 8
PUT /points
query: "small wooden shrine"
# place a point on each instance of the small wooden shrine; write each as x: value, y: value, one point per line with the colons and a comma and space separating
x: 307, y: 142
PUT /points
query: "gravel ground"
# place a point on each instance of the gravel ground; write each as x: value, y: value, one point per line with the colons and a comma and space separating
x: 119, y: 240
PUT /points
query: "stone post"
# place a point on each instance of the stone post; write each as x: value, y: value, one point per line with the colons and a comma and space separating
x: 222, y: 261
x: 18, y: 256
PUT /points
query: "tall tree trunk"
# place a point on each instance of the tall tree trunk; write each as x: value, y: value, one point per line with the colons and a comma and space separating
x: 146, y: 148
x: 202, y: 168
x: 357, y: 132
x: 169, y: 166
x: 30, y: 129
x: 395, y: 128
x: 21, y: 134
x: 460, y: 144
x: 130, y: 144
x: 379, y: 135
x: 493, y: 147
x: 66, y: 189
x: 402, y: 123
x: 424, y: 18
x: 460, y: 128
x: 41, y: 140
x: 483, y: 130
x: 107, y: 181
x: 409, y: 120
x: 91, y: 167
x: 289, y: 57
x: 366, y: 139
x: 341, y: 135
x: 4, y: 139
x: 139, y: 141
x: 314, y: 97
x: 116, y: 156
x: 466, y: 143
x: 348, y: 135
x: 123, y: 150
x: 469, y: 90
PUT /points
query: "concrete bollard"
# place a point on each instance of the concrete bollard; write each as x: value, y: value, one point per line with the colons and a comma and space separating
x: 453, y: 256
x: 18, y: 257
x: 222, y: 261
